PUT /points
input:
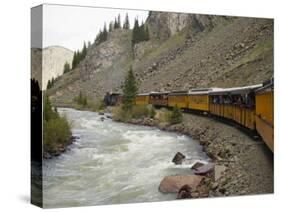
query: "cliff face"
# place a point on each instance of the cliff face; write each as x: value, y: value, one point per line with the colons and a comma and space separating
x: 184, y: 51
x: 164, y: 25
x: 51, y: 60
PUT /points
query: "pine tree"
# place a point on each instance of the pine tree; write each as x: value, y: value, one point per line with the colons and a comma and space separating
x: 135, y: 35
x: 66, y: 68
x: 74, y: 60
x: 80, y: 98
x: 49, y: 84
x: 129, y: 91
x: 115, y: 26
x: 146, y: 33
x: 110, y: 27
x: 84, y: 51
x: 89, y: 45
x: 141, y: 32
x: 104, y: 32
x: 126, y: 24
x: 119, y: 22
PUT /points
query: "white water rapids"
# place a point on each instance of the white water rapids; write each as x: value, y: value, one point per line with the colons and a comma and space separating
x: 114, y: 163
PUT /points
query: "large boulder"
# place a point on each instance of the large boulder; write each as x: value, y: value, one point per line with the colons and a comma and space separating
x: 172, y: 184
x: 184, y: 192
x: 178, y: 158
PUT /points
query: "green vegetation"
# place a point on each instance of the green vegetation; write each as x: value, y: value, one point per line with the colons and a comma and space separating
x: 130, y: 90
x: 140, y: 33
x: 51, y: 83
x: 126, y: 24
x: 66, y: 68
x: 57, y: 131
x: 102, y: 35
x: 82, y: 102
x: 152, y: 112
x: 79, y: 55
x: 175, y: 116
x: 136, y: 112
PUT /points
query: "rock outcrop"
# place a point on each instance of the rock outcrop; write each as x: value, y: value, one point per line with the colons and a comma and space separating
x: 49, y: 63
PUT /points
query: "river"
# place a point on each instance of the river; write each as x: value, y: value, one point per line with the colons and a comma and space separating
x: 113, y: 163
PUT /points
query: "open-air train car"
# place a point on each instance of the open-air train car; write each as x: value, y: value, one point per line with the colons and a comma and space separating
x: 159, y: 99
x: 265, y: 113
x: 237, y: 104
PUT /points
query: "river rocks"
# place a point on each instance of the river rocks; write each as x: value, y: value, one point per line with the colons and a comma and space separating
x: 184, y: 192
x: 196, y: 165
x: 205, y: 169
x: 47, y: 155
x: 102, y: 118
x: 178, y: 158
x: 101, y: 113
x: 172, y: 184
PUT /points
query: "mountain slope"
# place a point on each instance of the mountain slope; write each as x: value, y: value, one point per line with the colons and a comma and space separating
x: 185, y: 51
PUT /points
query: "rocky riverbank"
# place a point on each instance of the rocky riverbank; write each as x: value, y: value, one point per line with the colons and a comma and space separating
x: 60, y: 149
x: 242, y: 165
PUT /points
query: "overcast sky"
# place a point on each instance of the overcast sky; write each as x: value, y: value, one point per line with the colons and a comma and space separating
x: 70, y: 26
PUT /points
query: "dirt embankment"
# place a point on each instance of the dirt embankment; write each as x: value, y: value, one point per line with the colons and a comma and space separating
x: 248, y: 162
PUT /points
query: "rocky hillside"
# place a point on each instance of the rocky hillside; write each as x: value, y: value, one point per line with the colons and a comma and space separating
x: 184, y: 51
x: 52, y: 62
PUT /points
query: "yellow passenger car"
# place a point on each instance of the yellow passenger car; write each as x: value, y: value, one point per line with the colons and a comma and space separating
x: 179, y: 99
x: 142, y: 99
x: 236, y: 104
x: 198, y: 99
x: 265, y: 113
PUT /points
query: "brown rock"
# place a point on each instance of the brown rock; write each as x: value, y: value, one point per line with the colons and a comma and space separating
x: 197, y: 165
x: 184, y: 192
x: 178, y: 158
x: 172, y: 184
x: 205, y: 169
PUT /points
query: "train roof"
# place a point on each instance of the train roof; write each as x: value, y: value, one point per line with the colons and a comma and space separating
x: 178, y: 93
x: 202, y: 91
x: 159, y: 93
x: 114, y: 93
x: 236, y: 90
x: 266, y: 86
x: 143, y: 94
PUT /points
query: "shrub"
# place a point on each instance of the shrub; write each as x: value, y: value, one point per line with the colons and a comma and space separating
x: 163, y: 115
x: 56, y: 133
x: 97, y: 105
x: 120, y: 115
x: 152, y: 112
x: 175, y: 116
x: 57, y: 130
x: 139, y: 111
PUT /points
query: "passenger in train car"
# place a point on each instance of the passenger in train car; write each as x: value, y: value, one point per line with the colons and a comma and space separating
x: 216, y: 100
x: 251, y: 100
x: 227, y: 100
x: 220, y: 99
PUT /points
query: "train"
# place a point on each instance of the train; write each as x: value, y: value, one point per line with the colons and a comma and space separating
x: 251, y: 107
